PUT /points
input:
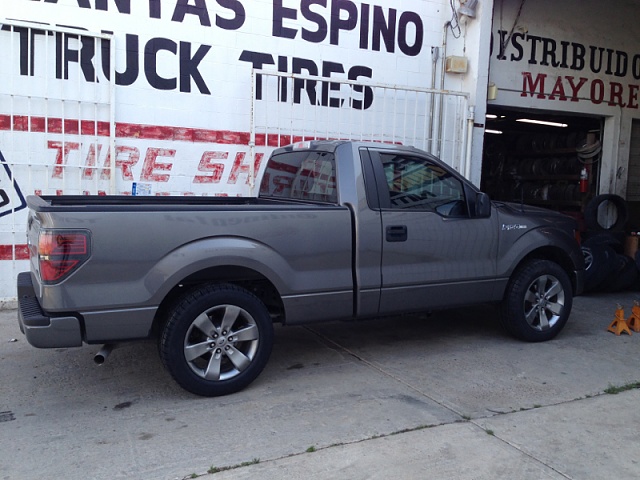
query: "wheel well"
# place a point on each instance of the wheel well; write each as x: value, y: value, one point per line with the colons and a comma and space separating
x: 556, y: 255
x: 246, y: 278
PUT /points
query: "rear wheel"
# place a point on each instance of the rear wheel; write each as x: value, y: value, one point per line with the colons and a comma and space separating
x: 537, y: 302
x: 217, y: 339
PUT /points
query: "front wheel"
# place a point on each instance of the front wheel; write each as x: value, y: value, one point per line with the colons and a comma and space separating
x: 216, y: 340
x: 537, y: 302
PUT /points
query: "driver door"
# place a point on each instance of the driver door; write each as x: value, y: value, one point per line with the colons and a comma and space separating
x: 434, y: 253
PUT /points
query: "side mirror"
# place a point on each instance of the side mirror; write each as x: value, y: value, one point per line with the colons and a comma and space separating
x: 483, y: 205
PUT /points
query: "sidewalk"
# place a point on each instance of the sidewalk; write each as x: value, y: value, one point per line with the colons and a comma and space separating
x: 448, y: 396
x: 595, y: 438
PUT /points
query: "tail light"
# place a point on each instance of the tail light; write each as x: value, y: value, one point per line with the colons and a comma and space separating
x: 61, y: 252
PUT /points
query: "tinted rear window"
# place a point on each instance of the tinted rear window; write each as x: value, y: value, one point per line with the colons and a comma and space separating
x: 302, y: 175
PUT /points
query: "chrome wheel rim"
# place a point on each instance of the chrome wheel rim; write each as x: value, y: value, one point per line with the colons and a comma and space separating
x: 544, y: 302
x: 588, y: 258
x: 221, y: 342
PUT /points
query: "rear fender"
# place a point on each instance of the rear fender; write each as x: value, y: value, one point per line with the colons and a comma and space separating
x: 194, y: 257
x: 312, y: 293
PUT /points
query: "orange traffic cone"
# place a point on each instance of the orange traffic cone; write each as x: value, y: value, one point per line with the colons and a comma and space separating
x: 619, y: 325
x: 633, y: 322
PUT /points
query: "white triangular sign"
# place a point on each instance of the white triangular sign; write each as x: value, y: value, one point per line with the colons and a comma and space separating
x: 11, y: 198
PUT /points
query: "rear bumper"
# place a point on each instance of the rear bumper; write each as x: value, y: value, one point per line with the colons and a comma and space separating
x: 41, y: 329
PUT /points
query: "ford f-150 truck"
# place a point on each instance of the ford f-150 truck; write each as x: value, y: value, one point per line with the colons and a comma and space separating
x: 340, y: 230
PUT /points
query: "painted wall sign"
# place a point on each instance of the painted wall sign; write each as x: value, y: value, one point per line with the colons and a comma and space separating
x: 569, y: 71
x: 169, y: 64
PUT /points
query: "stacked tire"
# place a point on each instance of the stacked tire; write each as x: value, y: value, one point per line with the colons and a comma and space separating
x: 608, y: 269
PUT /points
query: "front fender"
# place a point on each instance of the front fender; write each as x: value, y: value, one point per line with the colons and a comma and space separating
x: 541, y: 239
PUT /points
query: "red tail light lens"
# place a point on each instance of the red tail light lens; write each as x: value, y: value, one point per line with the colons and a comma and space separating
x: 61, y: 252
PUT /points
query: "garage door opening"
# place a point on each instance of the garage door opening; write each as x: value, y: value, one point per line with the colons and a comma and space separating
x: 547, y: 159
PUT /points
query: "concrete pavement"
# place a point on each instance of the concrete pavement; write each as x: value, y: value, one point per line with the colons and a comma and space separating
x: 592, y: 439
x: 448, y: 396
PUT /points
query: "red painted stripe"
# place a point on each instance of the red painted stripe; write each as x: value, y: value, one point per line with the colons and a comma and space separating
x: 20, y: 123
x: 35, y: 124
x: 6, y: 252
x: 38, y: 124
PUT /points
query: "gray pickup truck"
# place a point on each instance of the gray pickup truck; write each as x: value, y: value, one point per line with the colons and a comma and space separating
x: 340, y: 230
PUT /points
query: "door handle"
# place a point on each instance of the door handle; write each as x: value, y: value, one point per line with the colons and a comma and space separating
x: 397, y: 233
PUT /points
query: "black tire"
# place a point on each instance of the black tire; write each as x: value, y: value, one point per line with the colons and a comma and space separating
x: 537, y: 302
x: 614, y: 240
x: 620, y: 212
x: 592, y: 267
x: 216, y: 340
x: 624, y: 275
x: 599, y: 263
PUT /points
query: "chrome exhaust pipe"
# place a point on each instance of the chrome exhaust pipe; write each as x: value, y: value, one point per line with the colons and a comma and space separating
x: 104, y: 352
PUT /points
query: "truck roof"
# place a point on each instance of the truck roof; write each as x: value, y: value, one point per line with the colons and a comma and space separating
x: 332, y: 145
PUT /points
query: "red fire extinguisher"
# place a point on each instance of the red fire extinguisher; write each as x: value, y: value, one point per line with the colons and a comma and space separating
x: 584, y: 180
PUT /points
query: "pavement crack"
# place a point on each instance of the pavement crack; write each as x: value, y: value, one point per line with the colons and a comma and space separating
x: 384, y: 372
x: 463, y: 418
x: 517, y: 447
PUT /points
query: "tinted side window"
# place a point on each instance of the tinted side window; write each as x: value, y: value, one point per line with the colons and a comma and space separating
x: 301, y: 175
x: 417, y: 183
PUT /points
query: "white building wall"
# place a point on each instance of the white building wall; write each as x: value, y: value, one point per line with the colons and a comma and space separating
x: 183, y: 87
